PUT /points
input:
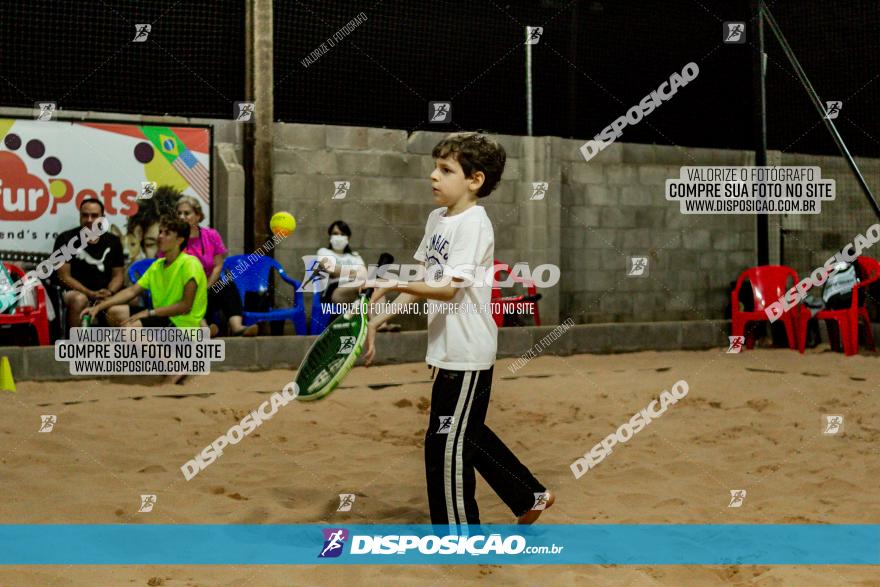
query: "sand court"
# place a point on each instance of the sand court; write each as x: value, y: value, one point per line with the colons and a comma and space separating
x: 750, y: 421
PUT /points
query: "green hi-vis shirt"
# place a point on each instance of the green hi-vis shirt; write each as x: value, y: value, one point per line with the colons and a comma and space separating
x: 166, y: 287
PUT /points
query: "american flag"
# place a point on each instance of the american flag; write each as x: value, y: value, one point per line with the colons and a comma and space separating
x: 193, y: 172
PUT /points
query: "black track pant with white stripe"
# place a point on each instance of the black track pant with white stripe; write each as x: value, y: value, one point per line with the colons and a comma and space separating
x: 458, y: 441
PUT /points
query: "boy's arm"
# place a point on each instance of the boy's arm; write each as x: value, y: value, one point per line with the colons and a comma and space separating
x: 176, y: 309
x: 411, y: 292
x: 395, y: 307
x: 443, y: 293
x: 378, y: 319
x: 121, y: 297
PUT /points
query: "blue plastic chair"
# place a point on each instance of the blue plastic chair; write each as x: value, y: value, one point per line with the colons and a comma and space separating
x: 135, y: 271
x: 255, y: 278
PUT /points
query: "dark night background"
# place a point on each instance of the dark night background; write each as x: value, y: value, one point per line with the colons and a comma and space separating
x: 595, y: 60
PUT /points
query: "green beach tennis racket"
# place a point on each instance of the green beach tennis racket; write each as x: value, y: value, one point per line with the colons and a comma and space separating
x: 336, y: 350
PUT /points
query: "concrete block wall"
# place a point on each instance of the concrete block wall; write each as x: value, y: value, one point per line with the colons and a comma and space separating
x: 594, y: 215
x: 614, y: 206
x: 811, y: 239
x: 390, y: 196
x: 229, y: 190
x: 386, y: 206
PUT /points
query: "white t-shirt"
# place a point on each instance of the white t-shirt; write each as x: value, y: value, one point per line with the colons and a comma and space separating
x: 352, y: 259
x: 463, y: 246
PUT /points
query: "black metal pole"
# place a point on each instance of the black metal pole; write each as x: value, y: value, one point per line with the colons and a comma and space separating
x: 247, y: 155
x: 814, y: 97
x: 760, y: 74
x: 247, y: 151
x: 573, y: 77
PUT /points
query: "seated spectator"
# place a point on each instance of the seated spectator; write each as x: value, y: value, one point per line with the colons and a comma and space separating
x: 176, y: 284
x: 836, y: 295
x: 143, y: 226
x: 207, y: 246
x: 96, y: 272
x: 336, y: 260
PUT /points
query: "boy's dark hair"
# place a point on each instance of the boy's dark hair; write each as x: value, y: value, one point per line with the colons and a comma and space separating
x: 163, y: 203
x: 475, y: 151
x: 177, y: 226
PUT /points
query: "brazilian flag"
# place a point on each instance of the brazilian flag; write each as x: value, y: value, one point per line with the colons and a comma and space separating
x: 164, y: 140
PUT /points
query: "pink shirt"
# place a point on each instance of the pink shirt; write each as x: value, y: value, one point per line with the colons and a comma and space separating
x: 204, y: 247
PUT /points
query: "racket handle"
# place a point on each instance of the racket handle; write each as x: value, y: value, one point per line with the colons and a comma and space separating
x: 312, y: 276
x: 316, y: 269
x: 384, y: 259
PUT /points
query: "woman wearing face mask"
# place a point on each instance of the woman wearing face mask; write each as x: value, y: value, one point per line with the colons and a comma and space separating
x: 335, y: 260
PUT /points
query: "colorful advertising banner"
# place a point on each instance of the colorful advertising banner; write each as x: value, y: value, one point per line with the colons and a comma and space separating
x: 48, y: 168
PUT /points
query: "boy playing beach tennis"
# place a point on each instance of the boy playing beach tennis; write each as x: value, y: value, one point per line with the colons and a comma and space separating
x: 458, y: 252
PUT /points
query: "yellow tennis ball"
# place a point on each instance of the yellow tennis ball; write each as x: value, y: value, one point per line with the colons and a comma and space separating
x: 282, y: 224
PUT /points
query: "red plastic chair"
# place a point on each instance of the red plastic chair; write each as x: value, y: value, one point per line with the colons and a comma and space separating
x: 38, y: 317
x: 848, y: 318
x: 769, y: 283
x: 519, y: 303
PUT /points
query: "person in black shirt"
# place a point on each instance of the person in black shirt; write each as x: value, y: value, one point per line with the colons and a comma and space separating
x: 96, y: 272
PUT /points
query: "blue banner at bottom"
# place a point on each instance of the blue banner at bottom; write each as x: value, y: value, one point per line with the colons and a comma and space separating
x: 299, y: 544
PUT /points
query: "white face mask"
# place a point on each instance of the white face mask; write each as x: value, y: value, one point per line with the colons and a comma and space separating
x: 338, y: 242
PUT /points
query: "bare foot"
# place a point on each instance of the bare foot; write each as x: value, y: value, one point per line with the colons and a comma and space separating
x: 531, y: 516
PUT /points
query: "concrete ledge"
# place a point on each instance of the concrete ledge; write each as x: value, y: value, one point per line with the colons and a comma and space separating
x: 287, y: 352
x: 512, y: 342
x: 241, y: 354
x: 401, y: 347
x: 274, y: 355
x: 40, y: 363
